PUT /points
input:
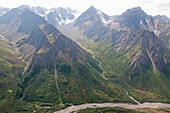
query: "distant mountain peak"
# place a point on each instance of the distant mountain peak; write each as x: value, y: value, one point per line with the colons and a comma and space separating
x: 92, y: 9
x: 38, y: 10
x: 163, y: 18
x: 135, y: 10
x: 136, y: 18
x: 23, y: 7
x: 92, y: 15
x: 59, y: 16
x: 10, y: 15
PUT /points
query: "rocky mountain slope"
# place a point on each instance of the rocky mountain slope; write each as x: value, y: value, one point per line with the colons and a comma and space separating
x: 92, y: 23
x: 92, y: 15
x: 3, y: 10
x: 127, y: 47
x: 162, y: 28
x: 135, y: 18
x: 59, y: 71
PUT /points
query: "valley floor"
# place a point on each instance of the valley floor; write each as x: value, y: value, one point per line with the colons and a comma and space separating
x: 122, y: 105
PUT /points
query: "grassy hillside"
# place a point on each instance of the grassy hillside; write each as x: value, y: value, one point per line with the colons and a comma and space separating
x: 117, y: 61
x: 76, y: 83
x: 10, y: 76
x: 60, y: 72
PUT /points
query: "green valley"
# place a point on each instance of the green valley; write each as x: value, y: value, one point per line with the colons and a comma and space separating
x: 91, y: 62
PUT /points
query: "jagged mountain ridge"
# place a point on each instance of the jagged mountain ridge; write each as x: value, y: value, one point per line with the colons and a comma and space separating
x: 135, y: 18
x: 60, y: 16
x: 91, y: 23
x: 39, y: 34
x: 163, y: 18
x: 162, y: 28
x: 37, y: 10
x: 93, y: 15
x: 55, y: 16
x: 59, y: 70
x: 17, y: 24
x: 97, y: 34
x: 127, y: 46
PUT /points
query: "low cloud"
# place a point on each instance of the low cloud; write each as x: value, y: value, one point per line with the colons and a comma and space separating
x: 166, y: 4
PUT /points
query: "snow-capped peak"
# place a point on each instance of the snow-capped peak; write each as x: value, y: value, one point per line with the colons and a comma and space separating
x: 60, y: 16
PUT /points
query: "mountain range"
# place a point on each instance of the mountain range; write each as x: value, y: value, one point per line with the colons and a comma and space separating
x: 133, y: 46
x: 55, y: 16
x: 43, y: 64
x: 59, y: 70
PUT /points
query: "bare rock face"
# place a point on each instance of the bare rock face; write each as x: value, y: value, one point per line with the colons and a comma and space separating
x: 55, y: 61
x: 135, y: 18
x: 162, y: 28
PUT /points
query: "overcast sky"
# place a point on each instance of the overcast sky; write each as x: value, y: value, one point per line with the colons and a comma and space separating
x: 111, y: 7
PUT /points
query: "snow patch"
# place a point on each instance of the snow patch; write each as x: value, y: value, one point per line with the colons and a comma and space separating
x: 45, y: 15
x: 147, y: 21
x: 76, y: 15
x: 102, y: 18
x: 100, y: 13
x: 3, y: 12
x: 141, y: 22
x: 2, y: 37
x: 67, y: 21
x: 61, y: 22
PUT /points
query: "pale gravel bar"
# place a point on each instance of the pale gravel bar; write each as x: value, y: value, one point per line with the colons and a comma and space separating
x: 122, y: 105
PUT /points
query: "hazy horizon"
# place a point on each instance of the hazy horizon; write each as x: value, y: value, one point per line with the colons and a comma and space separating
x: 110, y: 7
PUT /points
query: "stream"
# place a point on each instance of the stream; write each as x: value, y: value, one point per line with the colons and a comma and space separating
x: 100, y: 64
x: 94, y: 57
x: 20, y: 58
x: 76, y: 108
x: 131, y: 97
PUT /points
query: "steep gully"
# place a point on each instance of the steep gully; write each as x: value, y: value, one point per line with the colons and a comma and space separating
x: 21, y: 58
x: 155, y: 70
x: 56, y: 77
